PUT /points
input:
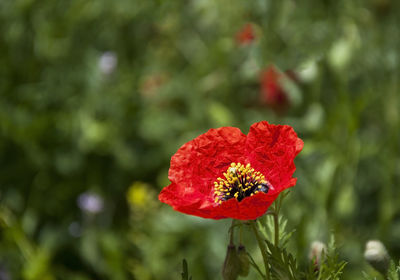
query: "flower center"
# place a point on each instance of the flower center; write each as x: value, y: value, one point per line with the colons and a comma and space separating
x: 240, y: 181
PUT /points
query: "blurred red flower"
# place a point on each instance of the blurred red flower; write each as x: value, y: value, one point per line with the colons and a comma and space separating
x: 272, y: 92
x: 245, y: 35
x: 224, y: 173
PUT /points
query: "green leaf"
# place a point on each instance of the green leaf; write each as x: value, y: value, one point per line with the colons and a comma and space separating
x: 266, y: 227
x: 283, y: 264
x: 331, y: 268
x: 393, y: 273
x: 254, y: 264
x: 185, y: 273
x: 368, y: 277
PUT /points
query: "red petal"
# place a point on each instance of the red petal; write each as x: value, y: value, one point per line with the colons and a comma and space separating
x: 198, y: 163
x: 271, y: 150
x: 188, y: 203
x: 250, y: 208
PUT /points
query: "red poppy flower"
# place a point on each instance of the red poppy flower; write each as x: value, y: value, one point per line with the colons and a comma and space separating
x: 272, y: 92
x: 224, y: 173
x: 245, y: 35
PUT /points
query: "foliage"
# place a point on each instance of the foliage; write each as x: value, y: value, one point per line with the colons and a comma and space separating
x: 95, y: 96
x: 393, y: 273
x: 185, y: 273
x: 267, y: 227
x: 283, y: 264
x: 330, y: 268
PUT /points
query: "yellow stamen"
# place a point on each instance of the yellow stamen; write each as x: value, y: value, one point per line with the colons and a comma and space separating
x: 240, y: 180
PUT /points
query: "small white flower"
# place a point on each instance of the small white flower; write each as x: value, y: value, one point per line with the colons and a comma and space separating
x: 317, y: 251
x: 108, y: 62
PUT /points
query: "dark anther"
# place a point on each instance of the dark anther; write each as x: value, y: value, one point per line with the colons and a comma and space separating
x: 264, y: 187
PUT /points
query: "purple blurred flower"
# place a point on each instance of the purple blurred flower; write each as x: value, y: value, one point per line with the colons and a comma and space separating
x: 108, y: 62
x: 90, y: 202
x: 4, y: 275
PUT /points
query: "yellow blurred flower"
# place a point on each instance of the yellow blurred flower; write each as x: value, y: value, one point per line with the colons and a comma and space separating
x: 139, y: 195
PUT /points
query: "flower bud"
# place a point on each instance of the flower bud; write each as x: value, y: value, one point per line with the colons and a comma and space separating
x: 377, y: 256
x: 317, y: 252
x: 231, y: 269
x: 244, y: 263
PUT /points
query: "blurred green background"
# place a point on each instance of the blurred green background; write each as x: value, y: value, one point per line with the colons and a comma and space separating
x: 96, y: 96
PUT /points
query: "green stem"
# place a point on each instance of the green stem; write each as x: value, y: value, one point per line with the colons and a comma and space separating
x: 231, y: 232
x: 240, y: 235
x: 276, y: 228
x: 263, y: 249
